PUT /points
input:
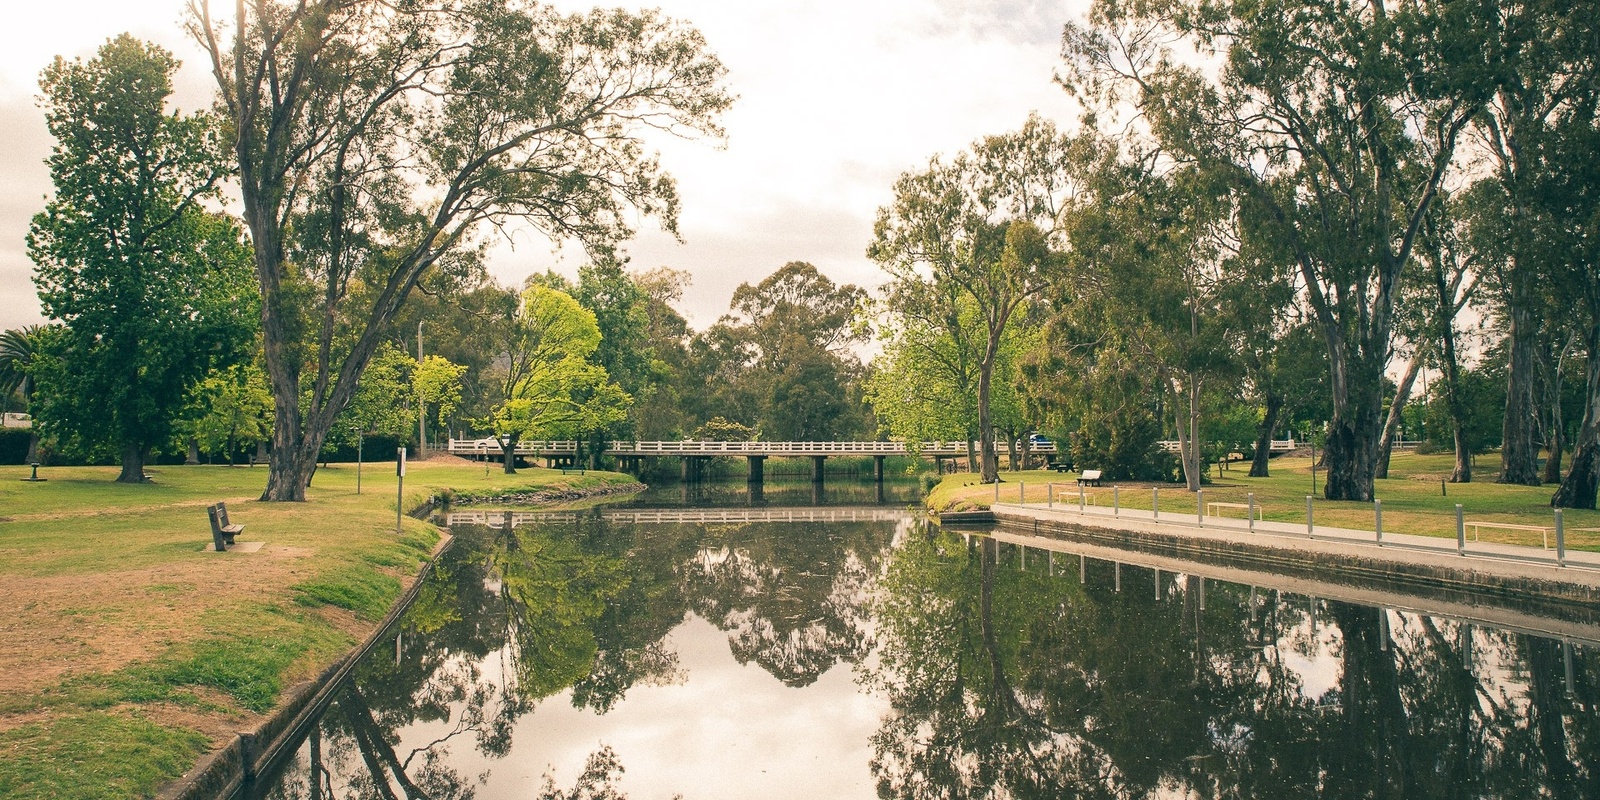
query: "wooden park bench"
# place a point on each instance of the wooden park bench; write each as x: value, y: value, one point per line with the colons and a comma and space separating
x: 571, y: 471
x: 1089, y: 477
x: 222, y: 531
x: 1061, y: 466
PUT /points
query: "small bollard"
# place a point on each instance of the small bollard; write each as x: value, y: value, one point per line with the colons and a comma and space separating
x: 1310, y: 527
x: 1250, y: 510
x: 1050, y: 495
x: 1080, y: 498
x: 1461, y: 533
x: 1377, y: 519
x: 1116, y: 503
x: 1200, y: 507
x: 997, y: 490
x: 1561, y: 540
x: 1155, y: 503
x: 1022, y: 493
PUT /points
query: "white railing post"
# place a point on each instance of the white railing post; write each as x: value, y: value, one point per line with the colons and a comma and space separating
x: 1461, y: 533
x: 1310, y: 525
x: 1377, y: 519
x: 1250, y: 510
x: 1561, y: 541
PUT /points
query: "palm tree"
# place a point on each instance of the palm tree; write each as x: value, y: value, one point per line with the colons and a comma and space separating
x: 18, y: 347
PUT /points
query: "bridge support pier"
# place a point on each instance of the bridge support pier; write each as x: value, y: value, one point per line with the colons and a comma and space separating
x: 877, y: 468
x: 757, y: 468
x: 816, y: 468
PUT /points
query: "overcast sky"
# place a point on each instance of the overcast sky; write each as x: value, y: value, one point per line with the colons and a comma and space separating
x: 836, y: 99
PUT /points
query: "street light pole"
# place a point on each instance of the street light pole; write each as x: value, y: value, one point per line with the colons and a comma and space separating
x: 422, y: 406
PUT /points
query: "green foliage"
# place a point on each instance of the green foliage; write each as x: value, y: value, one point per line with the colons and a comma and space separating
x: 233, y: 408
x: 550, y: 387
x: 381, y: 405
x: 151, y: 290
x: 464, y: 117
x: 977, y: 230
x: 436, y: 382
x: 718, y: 429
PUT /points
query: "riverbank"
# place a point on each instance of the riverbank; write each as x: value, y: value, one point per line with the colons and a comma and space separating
x: 1414, y: 501
x: 128, y: 650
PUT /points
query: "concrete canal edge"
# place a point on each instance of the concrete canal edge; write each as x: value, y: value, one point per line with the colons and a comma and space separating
x: 250, y: 753
x: 1565, y: 593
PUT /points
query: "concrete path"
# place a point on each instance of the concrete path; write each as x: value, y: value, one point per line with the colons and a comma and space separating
x: 1497, y: 567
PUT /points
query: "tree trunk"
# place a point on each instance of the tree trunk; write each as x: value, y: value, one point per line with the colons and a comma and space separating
x: 508, y: 453
x: 1188, y: 429
x: 132, y: 464
x: 1519, y: 449
x: 192, y: 453
x: 1457, y: 407
x: 1269, y: 425
x: 1397, y: 407
x: 990, y: 461
x: 1582, y: 483
x: 972, y: 453
x: 33, y: 446
x: 1011, y: 449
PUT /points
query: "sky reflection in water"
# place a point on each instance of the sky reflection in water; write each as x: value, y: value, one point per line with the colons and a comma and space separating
x: 861, y: 659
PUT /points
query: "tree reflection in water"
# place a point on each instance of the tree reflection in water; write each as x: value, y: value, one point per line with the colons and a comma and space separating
x: 1013, y: 682
x: 1005, y: 676
x: 513, y: 616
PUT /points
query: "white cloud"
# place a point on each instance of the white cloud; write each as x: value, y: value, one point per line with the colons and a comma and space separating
x: 836, y: 98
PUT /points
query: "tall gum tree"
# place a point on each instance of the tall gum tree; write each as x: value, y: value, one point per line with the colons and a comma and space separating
x: 1339, y: 121
x: 981, y: 227
x: 378, y: 139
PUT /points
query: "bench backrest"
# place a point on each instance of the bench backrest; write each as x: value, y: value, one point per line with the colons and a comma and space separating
x: 219, y: 518
x: 1091, y: 475
x: 222, y: 514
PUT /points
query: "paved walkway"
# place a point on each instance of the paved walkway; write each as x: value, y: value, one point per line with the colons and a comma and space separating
x: 1581, y: 568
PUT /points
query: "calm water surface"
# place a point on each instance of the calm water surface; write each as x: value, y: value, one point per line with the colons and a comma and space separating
x: 740, y: 657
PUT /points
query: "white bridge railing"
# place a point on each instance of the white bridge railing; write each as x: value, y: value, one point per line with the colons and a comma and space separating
x: 500, y: 519
x: 695, y: 447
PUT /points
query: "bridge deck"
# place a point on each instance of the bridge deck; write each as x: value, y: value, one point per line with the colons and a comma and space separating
x: 692, y: 447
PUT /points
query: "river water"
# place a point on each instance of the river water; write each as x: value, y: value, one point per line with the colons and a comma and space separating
x: 706, y: 643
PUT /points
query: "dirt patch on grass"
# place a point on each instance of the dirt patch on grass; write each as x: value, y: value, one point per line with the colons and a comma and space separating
x: 56, y: 626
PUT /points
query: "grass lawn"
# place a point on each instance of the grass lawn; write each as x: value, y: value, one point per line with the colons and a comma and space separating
x: 1411, y: 498
x: 127, y: 650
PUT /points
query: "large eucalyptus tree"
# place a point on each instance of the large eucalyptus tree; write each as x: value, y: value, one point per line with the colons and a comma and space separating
x: 377, y: 140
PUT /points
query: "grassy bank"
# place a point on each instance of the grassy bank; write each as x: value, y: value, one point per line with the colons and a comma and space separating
x: 1412, y: 499
x: 127, y: 650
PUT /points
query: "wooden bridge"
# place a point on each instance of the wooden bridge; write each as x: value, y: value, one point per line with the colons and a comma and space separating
x: 695, y: 452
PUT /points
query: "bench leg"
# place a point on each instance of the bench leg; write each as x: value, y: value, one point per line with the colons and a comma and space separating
x: 217, y: 539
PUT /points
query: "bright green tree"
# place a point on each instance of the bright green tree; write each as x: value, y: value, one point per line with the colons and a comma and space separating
x: 549, y: 387
x: 151, y: 290
x: 235, y: 410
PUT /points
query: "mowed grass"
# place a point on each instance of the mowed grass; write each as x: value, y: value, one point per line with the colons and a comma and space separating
x: 1412, y: 502
x: 127, y: 649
